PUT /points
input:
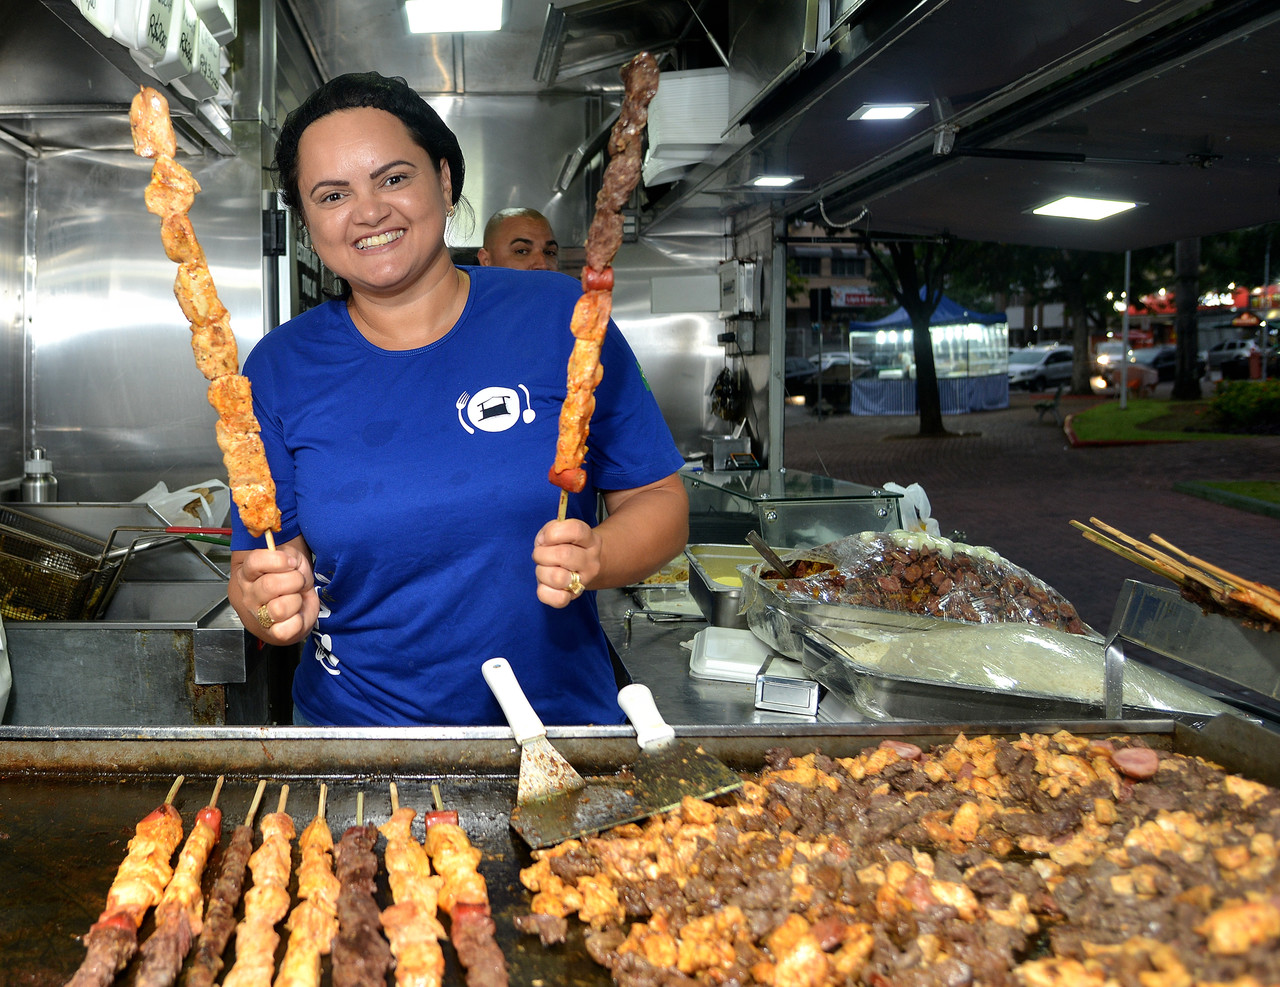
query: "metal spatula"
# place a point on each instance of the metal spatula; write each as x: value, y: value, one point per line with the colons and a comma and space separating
x: 553, y: 802
x: 543, y: 771
x: 668, y: 769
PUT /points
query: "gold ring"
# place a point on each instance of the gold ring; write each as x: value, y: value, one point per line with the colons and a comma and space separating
x: 264, y: 618
x: 575, y: 583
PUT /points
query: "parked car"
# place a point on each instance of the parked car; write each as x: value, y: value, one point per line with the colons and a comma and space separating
x: 1038, y: 367
x: 837, y: 358
x: 1231, y: 357
x: 1163, y: 359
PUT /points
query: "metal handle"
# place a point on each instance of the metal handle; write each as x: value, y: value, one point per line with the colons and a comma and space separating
x: 637, y: 702
x: 506, y: 689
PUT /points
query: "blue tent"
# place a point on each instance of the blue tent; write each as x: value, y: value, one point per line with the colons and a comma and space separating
x: 886, y: 395
x: 948, y: 313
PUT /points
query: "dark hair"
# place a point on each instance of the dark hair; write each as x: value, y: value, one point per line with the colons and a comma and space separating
x: 365, y: 89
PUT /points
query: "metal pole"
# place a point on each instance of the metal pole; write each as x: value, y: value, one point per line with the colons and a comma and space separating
x: 1124, y: 339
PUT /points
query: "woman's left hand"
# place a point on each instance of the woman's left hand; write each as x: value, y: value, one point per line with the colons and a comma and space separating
x: 566, y: 555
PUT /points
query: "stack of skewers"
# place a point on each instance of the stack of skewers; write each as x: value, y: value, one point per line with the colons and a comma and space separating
x: 1212, y: 588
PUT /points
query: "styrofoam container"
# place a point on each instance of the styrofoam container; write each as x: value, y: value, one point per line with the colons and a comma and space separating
x: 180, y: 49
x: 202, y: 81
x: 144, y: 26
x: 100, y: 13
x: 220, y: 17
x: 726, y: 654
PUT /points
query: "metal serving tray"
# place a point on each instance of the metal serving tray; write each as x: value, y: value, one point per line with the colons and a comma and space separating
x: 931, y: 668
x: 709, y: 565
x: 70, y: 798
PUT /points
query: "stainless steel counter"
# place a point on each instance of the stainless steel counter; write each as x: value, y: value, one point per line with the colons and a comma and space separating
x: 652, y: 649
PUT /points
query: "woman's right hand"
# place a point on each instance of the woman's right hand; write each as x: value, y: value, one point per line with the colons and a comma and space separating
x: 274, y: 592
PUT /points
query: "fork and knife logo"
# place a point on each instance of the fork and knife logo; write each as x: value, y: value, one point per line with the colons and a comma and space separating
x: 494, y: 409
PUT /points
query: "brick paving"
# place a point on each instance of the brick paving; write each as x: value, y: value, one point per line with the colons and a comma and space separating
x: 1010, y: 482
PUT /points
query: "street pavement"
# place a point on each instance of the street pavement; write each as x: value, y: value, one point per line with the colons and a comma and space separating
x: 1005, y: 480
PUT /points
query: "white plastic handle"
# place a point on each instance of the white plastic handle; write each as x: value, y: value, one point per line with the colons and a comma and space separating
x: 637, y: 702
x: 506, y: 689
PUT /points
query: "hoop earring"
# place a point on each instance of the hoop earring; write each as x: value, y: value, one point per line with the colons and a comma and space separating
x: 449, y: 213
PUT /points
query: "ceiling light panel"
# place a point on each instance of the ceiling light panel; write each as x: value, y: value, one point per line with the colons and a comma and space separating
x: 886, y: 111
x: 1083, y: 207
x: 441, y: 17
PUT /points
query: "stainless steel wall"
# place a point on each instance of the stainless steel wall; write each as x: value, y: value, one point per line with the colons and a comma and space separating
x: 115, y: 396
x: 12, y: 229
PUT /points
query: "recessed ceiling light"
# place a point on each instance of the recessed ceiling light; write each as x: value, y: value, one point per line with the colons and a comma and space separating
x: 437, y: 17
x: 775, y: 181
x: 1083, y: 207
x: 886, y: 111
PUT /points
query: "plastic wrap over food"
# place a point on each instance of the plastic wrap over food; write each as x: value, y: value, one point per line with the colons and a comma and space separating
x: 913, y: 664
x: 916, y: 573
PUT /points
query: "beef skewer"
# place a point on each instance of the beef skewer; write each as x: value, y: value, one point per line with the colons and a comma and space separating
x: 138, y: 885
x: 464, y: 895
x: 361, y: 956
x: 411, y: 924
x: 265, y: 903
x: 180, y: 911
x: 591, y: 314
x: 313, y: 922
x: 219, y: 918
x: 169, y: 195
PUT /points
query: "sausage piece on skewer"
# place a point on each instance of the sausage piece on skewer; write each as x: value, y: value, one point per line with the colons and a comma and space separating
x: 219, y: 918
x: 138, y: 885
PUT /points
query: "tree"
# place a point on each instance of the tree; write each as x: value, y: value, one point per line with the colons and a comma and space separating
x: 915, y: 272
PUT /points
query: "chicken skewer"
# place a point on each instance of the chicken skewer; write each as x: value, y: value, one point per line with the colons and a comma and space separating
x: 464, y: 895
x: 361, y: 956
x: 265, y: 903
x: 180, y: 911
x: 138, y: 885
x: 169, y: 195
x: 591, y: 314
x: 219, y: 918
x: 411, y: 924
x: 313, y: 922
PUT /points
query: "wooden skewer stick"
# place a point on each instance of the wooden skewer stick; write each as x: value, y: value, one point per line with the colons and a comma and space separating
x: 1126, y: 553
x: 173, y: 792
x: 359, y: 808
x: 284, y: 797
x: 395, y: 798
x: 257, y: 798
x: 1168, y: 561
x: 324, y: 790
x: 435, y: 796
x: 271, y: 540
x: 564, y: 505
x: 217, y: 787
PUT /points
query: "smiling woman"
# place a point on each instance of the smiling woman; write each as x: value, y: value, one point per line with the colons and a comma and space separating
x: 425, y: 401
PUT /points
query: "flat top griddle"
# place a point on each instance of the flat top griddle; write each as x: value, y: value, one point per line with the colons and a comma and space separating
x: 70, y: 799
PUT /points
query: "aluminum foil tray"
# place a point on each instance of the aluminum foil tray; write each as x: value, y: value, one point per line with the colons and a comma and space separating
x: 892, y: 665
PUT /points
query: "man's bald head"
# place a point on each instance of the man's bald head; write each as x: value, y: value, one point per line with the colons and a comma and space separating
x: 520, y: 238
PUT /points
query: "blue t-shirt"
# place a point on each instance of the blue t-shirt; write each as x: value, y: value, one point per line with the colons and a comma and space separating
x: 419, y: 479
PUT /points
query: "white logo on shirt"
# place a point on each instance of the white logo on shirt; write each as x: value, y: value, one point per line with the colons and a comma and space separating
x: 494, y: 409
x: 324, y: 643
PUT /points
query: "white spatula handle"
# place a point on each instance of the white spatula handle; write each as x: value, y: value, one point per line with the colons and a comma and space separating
x: 506, y: 689
x: 637, y: 702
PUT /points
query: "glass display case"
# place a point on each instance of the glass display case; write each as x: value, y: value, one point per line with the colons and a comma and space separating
x: 787, y: 508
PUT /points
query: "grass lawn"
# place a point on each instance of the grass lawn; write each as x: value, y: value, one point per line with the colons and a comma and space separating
x: 1145, y: 420
x: 1264, y: 490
